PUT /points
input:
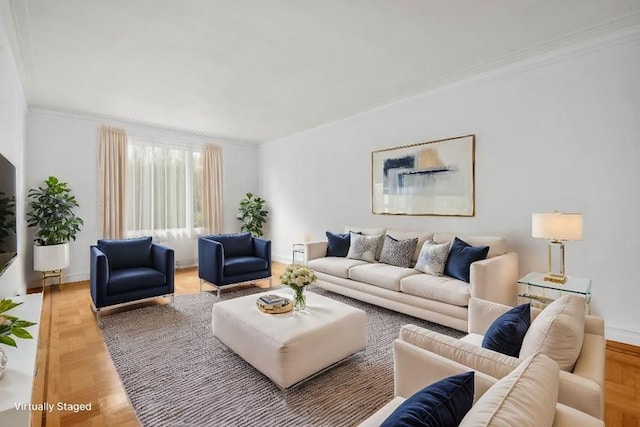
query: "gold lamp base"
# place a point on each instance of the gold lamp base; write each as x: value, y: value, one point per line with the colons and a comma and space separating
x: 555, y: 279
x: 556, y: 263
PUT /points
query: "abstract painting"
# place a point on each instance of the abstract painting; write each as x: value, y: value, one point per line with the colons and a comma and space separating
x: 430, y: 178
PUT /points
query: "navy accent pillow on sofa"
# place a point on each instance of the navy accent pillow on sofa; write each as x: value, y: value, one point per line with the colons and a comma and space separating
x: 338, y: 244
x: 444, y: 403
x: 506, y: 333
x: 127, y: 253
x: 461, y: 256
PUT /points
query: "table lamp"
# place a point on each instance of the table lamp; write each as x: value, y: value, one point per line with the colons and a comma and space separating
x: 557, y: 227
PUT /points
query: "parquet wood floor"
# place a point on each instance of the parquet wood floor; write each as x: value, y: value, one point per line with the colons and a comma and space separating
x: 74, y: 366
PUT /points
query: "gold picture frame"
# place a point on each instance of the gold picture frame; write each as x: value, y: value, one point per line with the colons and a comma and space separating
x: 429, y: 178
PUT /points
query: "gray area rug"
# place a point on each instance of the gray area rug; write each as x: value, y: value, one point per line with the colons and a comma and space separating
x: 177, y: 374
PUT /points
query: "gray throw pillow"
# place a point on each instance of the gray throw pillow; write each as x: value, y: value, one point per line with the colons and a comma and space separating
x: 433, y: 257
x: 398, y: 252
x: 363, y: 247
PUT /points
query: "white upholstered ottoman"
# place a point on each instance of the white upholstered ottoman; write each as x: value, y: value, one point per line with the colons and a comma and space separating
x: 292, y: 346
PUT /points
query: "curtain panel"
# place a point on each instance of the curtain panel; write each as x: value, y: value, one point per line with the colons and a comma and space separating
x: 212, y: 188
x: 112, y: 148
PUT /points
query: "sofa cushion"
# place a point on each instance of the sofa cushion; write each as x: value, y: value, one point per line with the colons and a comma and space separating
x: 558, y: 332
x: 459, y: 350
x: 525, y: 397
x: 433, y: 257
x: 337, y: 244
x: 134, y: 279
x: 334, y: 266
x: 460, y: 258
x: 380, y: 232
x: 398, y: 252
x: 127, y: 253
x: 244, y: 264
x: 421, y: 235
x: 236, y: 244
x: 443, y: 403
x: 506, y: 333
x: 381, y: 275
x: 444, y: 289
x: 497, y: 245
x: 363, y: 247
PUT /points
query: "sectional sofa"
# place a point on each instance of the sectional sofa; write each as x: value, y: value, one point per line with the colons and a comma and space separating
x: 439, y: 299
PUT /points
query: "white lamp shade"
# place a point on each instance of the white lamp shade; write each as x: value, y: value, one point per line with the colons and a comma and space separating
x: 50, y: 258
x: 557, y: 226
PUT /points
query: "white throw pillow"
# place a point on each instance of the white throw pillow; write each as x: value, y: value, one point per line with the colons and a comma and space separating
x: 433, y: 257
x: 363, y: 247
x: 558, y: 332
x: 526, y: 397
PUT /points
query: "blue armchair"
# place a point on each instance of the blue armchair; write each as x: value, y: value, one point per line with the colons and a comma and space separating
x: 125, y: 271
x: 231, y: 259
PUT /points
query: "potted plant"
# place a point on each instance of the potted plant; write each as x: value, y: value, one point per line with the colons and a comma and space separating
x: 51, y: 210
x: 10, y: 325
x: 252, y: 214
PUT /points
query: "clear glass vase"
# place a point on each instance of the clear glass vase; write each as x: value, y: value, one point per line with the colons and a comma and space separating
x: 3, y: 361
x: 299, y: 298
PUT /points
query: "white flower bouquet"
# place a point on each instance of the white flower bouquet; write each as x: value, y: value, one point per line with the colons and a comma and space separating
x: 297, y: 277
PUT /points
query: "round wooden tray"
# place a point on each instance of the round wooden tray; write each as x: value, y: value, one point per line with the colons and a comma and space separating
x: 284, y: 309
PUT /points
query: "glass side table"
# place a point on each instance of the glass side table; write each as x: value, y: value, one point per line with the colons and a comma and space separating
x: 297, y: 253
x: 541, y: 293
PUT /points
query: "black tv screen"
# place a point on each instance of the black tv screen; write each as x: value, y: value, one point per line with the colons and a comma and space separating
x: 8, y: 240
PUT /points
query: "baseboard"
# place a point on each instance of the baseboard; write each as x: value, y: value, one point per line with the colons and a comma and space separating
x: 631, y: 350
x: 621, y: 335
x: 66, y: 278
x: 284, y: 259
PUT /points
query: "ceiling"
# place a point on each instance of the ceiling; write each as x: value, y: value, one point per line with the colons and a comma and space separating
x: 258, y: 70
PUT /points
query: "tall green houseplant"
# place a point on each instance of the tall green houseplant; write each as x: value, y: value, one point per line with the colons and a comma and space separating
x: 51, y: 210
x: 252, y: 214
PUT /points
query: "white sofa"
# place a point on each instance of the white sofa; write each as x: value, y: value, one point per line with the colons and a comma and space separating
x: 528, y: 396
x: 422, y: 357
x: 442, y: 300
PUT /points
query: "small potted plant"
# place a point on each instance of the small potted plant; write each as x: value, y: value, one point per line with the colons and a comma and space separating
x: 252, y: 214
x: 10, y: 325
x: 51, y: 211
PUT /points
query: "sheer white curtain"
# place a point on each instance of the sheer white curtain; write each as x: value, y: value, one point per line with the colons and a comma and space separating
x: 164, y: 195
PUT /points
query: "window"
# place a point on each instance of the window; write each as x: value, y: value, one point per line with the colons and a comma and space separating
x: 164, y: 193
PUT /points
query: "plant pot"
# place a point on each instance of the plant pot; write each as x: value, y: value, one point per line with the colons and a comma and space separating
x: 50, y: 258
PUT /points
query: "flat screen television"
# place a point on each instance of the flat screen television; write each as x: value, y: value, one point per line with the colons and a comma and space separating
x: 8, y: 240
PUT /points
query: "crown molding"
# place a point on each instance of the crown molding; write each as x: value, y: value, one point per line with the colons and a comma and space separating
x: 494, y: 70
x: 145, y: 130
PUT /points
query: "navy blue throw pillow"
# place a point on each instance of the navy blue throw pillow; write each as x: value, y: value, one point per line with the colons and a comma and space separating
x: 338, y: 244
x: 506, y: 333
x: 461, y: 256
x: 444, y: 403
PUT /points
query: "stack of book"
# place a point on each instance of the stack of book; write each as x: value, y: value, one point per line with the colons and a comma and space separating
x: 272, y: 303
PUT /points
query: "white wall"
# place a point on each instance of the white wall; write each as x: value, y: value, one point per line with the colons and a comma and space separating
x: 65, y: 145
x: 559, y: 132
x: 13, y: 110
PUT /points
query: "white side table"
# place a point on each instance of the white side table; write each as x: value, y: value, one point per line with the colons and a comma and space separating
x: 541, y: 293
